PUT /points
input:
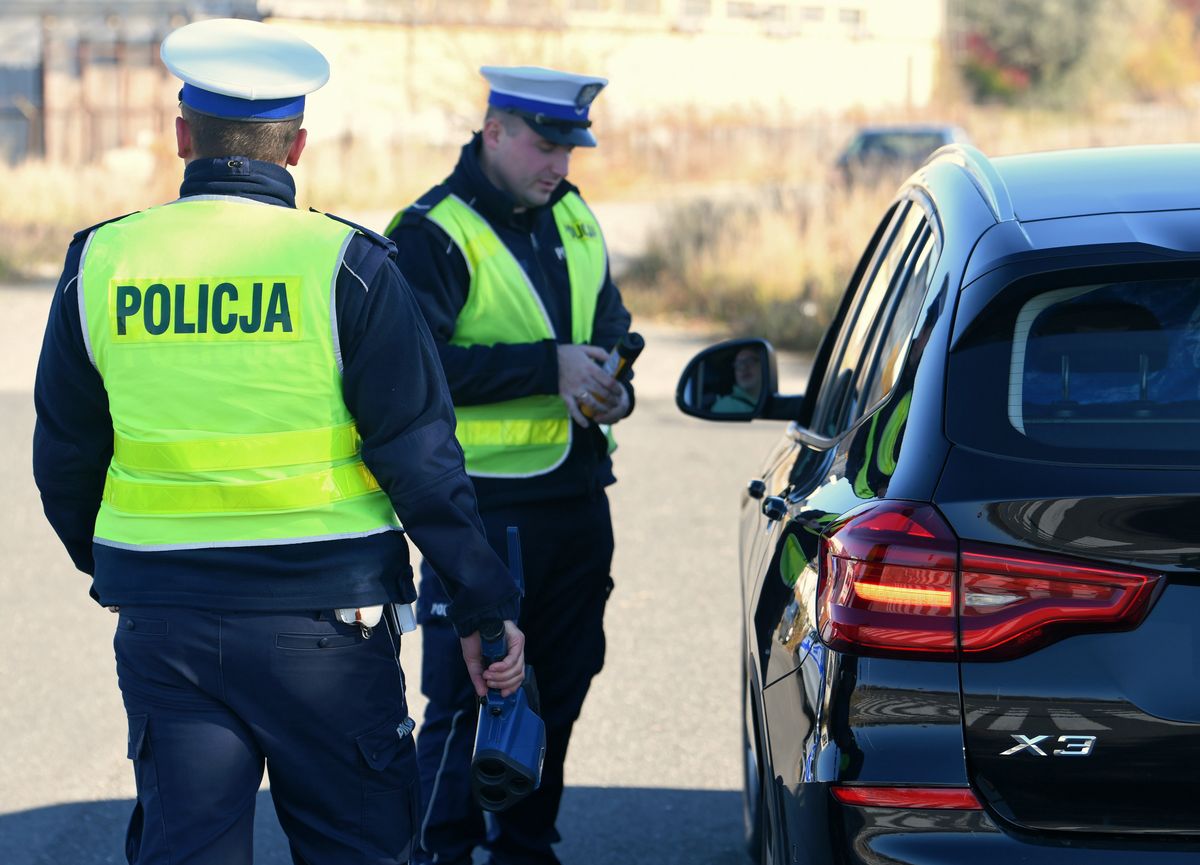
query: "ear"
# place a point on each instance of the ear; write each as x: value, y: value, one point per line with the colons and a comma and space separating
x: 493, y: 129
x: 183, y: 139
x: 293, y: 156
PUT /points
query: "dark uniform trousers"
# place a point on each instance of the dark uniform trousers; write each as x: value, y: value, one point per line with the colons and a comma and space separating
x: 567, y: 548
x: 212, y: 695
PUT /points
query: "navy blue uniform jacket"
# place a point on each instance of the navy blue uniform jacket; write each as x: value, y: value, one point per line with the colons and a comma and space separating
x: 392, y: 384
x: 478, y: 374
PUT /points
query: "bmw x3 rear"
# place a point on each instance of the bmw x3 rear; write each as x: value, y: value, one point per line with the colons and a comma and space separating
x: 971, y: 567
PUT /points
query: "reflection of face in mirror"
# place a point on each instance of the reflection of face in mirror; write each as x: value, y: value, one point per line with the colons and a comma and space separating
x: 747, y: 383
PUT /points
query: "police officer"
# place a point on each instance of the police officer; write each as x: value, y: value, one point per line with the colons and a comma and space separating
x: 509, y: 266
x: 235, y: 400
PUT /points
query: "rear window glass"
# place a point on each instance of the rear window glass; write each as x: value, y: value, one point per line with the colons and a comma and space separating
x: 1106, y: 371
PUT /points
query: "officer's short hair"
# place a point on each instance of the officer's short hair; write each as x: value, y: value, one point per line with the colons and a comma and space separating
x: 511, y: 122
x: 264, y: 140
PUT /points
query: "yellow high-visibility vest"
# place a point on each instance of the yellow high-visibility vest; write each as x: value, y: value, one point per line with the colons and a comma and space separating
x: 211, y: 323
x: 529, y: 436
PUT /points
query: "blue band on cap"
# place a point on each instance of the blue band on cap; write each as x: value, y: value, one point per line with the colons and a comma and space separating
x: 235, y: 108
x: 534, y: 106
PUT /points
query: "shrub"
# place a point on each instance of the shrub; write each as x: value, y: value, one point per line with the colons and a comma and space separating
x: 773, y: 263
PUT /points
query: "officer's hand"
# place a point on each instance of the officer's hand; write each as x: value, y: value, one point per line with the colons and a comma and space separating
x: 580, y: 375
x: 614, y: 412
x: 507, y: 674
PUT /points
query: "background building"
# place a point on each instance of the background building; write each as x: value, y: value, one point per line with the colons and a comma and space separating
x: 81, y: 77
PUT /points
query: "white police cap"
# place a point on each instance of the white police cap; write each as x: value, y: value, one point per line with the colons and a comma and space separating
x: 243, y: 70
x: 555, y: 104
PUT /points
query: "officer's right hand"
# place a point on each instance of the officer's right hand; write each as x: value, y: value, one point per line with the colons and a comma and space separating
x: 506, y: 674
x: 579, y: 375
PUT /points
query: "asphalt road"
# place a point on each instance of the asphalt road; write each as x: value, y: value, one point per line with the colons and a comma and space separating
x: 653, y: 773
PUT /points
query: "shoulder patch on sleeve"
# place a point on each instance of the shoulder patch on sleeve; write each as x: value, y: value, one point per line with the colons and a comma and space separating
x: 375, y: 237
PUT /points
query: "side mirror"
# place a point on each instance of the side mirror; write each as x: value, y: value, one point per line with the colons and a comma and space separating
x: 734, y: 380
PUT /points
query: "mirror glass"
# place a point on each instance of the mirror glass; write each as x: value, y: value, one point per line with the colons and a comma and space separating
x: 726, y: 382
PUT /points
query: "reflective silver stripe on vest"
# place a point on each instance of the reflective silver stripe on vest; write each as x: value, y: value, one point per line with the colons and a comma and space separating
x: 333, y: 319
x: 83, y: 319
x: 236, y: 199
x: 539, y: 472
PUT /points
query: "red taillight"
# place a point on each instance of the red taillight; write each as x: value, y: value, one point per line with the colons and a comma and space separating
x: 956, y: 798
x: 893, y: 582
x: 1012, y: 602
x: 887, y: 582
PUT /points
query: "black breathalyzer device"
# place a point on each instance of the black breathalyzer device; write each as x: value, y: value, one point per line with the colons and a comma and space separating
x: 618, y: 364
x: 510, y: 738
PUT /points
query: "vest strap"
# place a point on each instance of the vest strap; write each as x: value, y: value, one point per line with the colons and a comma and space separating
x: 264, y: 450
x: 311, y: 490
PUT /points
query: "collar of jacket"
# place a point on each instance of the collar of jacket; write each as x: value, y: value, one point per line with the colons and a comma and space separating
x: 495, y: 205
x: 240, y: 176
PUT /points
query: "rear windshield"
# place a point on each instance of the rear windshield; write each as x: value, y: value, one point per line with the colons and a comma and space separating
x: 1104, y: 371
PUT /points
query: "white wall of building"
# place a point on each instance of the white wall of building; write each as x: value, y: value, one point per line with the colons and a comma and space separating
x: 396, y: 79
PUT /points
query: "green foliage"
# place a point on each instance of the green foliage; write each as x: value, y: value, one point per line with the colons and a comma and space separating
x: 1074, y: 53
x: 1162, y: 58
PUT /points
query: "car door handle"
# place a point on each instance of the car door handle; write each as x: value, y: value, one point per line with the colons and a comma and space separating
x: 756, y: 488
x: 774, y: 508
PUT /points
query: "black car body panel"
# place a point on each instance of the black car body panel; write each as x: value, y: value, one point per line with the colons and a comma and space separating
x: 1011, y: 385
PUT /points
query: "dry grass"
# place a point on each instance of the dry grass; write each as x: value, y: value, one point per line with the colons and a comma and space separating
x: 774, y: 259
x: 348, y: 175
x: 751, y: 232
x: 45, y: 203
x: 772, y: 263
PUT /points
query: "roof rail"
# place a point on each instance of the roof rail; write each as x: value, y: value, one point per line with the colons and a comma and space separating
x: 983, y: 174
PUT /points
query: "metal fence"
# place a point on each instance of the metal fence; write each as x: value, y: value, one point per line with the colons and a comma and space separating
x: 20, y: 113
x: 79, y: 78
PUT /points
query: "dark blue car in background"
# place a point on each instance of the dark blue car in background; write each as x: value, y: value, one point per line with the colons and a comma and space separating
x: 971, y: 566
x: 881, y: 153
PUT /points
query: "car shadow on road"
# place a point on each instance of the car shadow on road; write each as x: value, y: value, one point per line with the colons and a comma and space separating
x: 600, y: 825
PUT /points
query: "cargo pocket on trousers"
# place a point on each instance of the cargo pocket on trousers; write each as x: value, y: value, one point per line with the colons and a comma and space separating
x: 145, y: 773
x: 390, y: 786
x: 139, y: 752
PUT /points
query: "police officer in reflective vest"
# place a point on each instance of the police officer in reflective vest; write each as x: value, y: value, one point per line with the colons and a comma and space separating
x: 510, y: 268
x: 240, y: 413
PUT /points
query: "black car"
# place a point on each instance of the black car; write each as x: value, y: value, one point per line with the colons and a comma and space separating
x: 878, y: 153
x: 971, y: 567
